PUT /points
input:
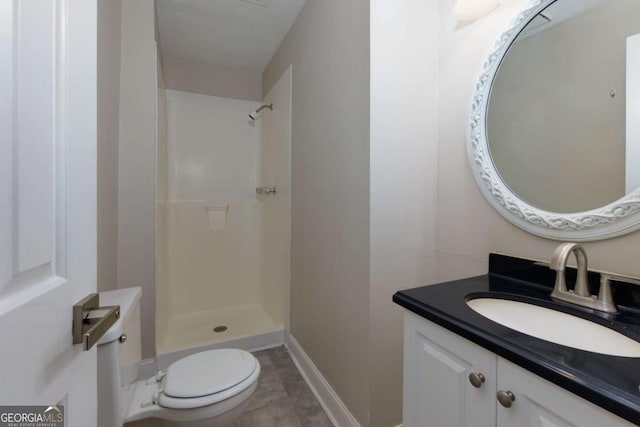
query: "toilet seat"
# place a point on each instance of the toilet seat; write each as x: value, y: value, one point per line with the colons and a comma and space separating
x: 206, y: 378
x: 141, y: 406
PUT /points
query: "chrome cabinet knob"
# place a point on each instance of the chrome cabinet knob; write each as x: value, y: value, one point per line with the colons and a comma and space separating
x: 122, y: 338
x: 476, y: 380
x: 506, y: 398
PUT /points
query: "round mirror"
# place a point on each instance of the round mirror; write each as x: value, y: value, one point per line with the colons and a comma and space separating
x: 554, y: 134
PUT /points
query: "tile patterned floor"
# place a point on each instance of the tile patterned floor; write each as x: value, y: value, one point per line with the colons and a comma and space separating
x: 282, y: 398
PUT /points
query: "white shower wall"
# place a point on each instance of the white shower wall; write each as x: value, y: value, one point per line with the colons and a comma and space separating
x: 274, y: 169
x: 219, y: 262
x: 213, y: 148
x: 213, y: 269
x: 213, y: 157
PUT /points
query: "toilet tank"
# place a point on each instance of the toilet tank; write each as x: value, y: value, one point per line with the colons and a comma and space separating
x: 125, y: 333
x: 119, y: 356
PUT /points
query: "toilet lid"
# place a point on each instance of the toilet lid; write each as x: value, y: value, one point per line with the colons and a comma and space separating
x: 208, y: 372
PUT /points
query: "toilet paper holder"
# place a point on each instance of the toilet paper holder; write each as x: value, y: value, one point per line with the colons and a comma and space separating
x: 91, y: 322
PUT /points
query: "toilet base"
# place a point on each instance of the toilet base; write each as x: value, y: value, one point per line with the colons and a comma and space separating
x: 224, y: 420
x: 236, y: 406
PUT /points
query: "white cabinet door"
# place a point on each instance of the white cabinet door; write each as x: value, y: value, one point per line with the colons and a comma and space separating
x: 47, y: 202
x: 437, y: 389
x: 539, y: 403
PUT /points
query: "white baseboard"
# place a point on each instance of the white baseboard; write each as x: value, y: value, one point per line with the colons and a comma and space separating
x: 148, y: 368
x: 329, y: 400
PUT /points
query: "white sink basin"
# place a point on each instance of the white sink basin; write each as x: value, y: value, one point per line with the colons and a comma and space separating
x: 555, y: 326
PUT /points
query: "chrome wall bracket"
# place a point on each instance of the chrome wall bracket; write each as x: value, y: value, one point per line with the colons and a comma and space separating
x: 91, y: 322
x: 266, y: 190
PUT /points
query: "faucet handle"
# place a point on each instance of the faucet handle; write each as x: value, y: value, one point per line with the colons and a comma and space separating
x: 604, y: 295
x: 558, y: 263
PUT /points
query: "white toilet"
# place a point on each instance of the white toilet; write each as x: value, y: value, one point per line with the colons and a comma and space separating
x: 210, y: 388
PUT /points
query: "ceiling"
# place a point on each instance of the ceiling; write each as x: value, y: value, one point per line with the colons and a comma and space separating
x: 229, y: 33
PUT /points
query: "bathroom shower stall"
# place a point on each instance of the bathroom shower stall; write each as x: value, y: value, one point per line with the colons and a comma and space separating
x: 222, y: 246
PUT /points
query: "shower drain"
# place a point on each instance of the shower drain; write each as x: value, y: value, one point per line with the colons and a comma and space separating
x: 221, y: 328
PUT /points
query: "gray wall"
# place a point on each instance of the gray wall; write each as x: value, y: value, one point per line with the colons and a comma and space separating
x: 137, y: 160
x: 328, y: 46
x: 109, y: 13
x: 190, y: 76
x: 162, y: 185
x: 343, y: 317
x: 404, y: 105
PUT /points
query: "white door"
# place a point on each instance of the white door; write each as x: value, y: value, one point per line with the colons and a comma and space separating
x: 47, y: 202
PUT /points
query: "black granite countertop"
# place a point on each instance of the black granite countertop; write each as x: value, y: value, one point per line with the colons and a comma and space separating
x: 611, y: 382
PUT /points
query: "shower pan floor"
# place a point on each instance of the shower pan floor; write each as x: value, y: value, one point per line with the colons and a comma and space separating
x: 248, y: 327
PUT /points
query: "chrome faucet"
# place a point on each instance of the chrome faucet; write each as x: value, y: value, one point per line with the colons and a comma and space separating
x: 580, y: 295
x: 559, y: 264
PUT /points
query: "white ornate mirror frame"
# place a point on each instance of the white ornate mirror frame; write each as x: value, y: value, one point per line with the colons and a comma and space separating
x: 614, y: 219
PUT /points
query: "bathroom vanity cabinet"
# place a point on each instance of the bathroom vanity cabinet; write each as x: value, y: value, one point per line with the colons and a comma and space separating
x: 450, y: 381
x: 457, y: 362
